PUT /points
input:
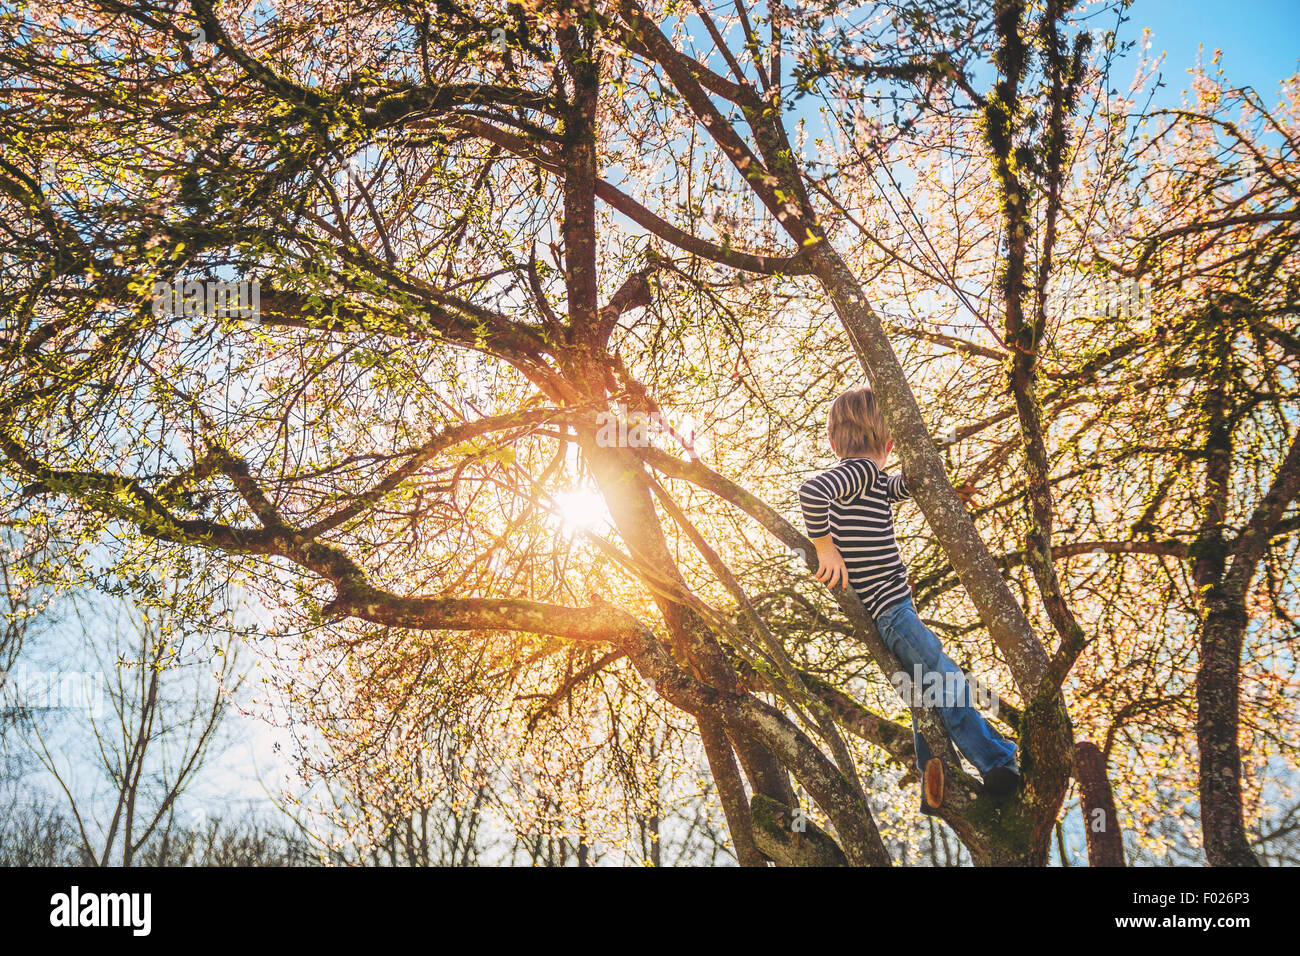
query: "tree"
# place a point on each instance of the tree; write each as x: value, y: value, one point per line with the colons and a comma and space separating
x: 414, y: 438
x: 150, y: 744
x: 1218, y: 236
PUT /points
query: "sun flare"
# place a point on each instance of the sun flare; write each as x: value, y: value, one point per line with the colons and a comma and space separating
x: 582, y: 509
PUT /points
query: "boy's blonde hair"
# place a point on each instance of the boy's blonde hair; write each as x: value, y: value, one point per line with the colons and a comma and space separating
x: 857, y: 429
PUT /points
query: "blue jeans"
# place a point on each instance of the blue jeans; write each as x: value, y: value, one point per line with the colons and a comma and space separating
x: 914, y: 645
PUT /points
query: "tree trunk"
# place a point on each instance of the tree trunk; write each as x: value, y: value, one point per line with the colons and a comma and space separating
x: 1217, y: 725
x: 1223, y: 622
x: 1100, y: 822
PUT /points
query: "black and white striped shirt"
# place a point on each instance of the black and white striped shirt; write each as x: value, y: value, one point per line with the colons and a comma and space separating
x: 853, y: 502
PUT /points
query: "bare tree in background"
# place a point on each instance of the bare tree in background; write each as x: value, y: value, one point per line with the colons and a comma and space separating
x: 160, y: 722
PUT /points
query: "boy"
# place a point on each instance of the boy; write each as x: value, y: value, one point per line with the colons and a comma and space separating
x: 847, y: 511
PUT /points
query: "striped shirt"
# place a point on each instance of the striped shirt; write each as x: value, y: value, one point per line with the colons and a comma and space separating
x: 853, y: 502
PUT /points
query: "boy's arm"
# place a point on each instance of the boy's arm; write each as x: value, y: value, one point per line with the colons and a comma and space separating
x: 846, y: 480
x: 830, y: 563
x: 896, y: 488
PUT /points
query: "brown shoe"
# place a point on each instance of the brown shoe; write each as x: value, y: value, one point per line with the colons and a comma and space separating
x: 932, y: 786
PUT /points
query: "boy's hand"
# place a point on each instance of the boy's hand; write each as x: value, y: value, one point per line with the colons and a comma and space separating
x: 830, y: 563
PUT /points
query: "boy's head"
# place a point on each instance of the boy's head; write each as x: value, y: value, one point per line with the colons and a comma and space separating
x: 856, y: 427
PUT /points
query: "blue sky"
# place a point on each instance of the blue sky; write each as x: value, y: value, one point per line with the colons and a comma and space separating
x: 1260, y: 39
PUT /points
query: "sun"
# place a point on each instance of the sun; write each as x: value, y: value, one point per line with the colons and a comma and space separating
x: 581, y: 509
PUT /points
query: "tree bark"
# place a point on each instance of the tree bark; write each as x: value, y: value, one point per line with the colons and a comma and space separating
x: 731, y: 792
x: 1223, y: 622
x: 1100, y: 822
x: 1218, y: 679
